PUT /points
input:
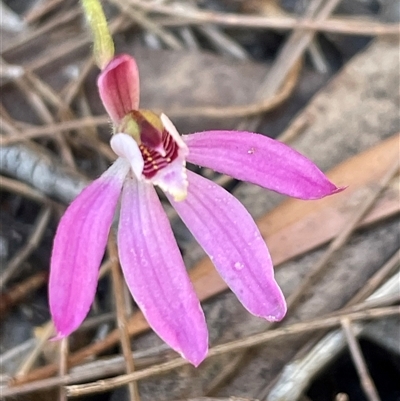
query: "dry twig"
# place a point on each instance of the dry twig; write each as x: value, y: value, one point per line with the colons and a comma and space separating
x: 366, y: 381
x: 118, y: 287
x: 26, y: 37
x: 233, y: 346
x: 63, y: 366
x: 30, y: 360
x: 336, y: 25
x: 40, y: 9
x: 19, y: 188
x: 342, y: 238
x: 258, y: 107
x: 31, y: 244
x: 291, y: 52
x: 298, y: 374
x: 20, y: 291
x: 140, y: 18
x: 251, y: 341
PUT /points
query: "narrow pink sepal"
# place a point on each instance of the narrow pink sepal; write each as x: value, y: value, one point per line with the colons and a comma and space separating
x: 155, y: 273
x: 228, y: 234
x: 260, y: 160
x: 78, y: 249
x: 118, y: 85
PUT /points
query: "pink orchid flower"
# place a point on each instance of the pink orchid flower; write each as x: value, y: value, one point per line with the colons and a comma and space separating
x: 151, y: 152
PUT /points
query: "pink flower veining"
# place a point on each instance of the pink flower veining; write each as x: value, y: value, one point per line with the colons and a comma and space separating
x: 151, y: 152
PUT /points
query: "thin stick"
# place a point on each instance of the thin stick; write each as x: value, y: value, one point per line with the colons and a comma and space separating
x: 10, y: 20
x: 8, y: 127
x: 357, y: 303
x: 91, y: 133
x: 190, y: 41
x: 73, y: 87
x: 336, y: 25
x: 29, y: 361
x: 57, y: 53
x: 295, y: 128
x: 255, y: 108
x: 48, y: 129
x: 361, y: 28
x: 118, y: 287
x: 25, y: 38
x: 227, y: 371
x: 342, y: 397
x: 73, y: 45
x: 115, y: 364
x: 63, y: 370
x: 20, y: 291
x: 236, y: 345
x: 377, y: 279
x: 251, y: 341
x: 31, y: 244
x: 77, y: 357
x: 10, y: 72
x: 342, y: 26
x: 39, y: 10
x: 213, y: 112
x: 140, y: 18
x: 5, y: 115
x: 48, y: 93
x: 39, y: 106
x: 342, y: 238
x: 370, y: 304
x: 90, y: 136
x: 366, y: 381
x: 291, y: 52
x: 19, y: 188
x: 223, y: 42
x: 10, y: 356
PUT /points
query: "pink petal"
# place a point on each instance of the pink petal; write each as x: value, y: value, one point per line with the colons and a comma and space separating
x: 118, y: 86
x: 261, y: 160
x: 228, y: 234
x: 155, y: 273
x: 78, y: 249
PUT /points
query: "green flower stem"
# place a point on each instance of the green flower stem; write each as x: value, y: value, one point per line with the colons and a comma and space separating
x: 103, y: 49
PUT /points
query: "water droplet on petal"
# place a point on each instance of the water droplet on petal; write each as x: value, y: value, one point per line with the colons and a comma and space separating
x: 238, y: 266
